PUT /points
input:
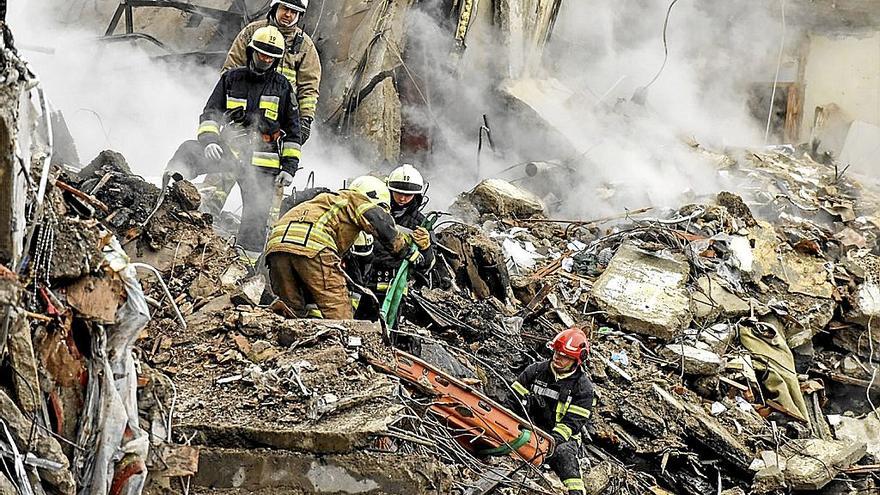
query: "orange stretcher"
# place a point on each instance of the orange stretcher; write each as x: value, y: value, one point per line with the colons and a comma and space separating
x: 481, y: 425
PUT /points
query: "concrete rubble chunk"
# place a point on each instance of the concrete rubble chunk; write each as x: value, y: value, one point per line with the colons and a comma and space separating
x: 287, y: 472
x: 865, y: 430
x: 864, y: 304
x: 187, y: 194
x: 802, y: 273
x: 713, y: 300
x: 501, y: 198
x: 811, y: 463
x: 645, y: 292
x: 696, y: 361
x: 22, y: 359
x: 6, y: 486
x: 770, y: 479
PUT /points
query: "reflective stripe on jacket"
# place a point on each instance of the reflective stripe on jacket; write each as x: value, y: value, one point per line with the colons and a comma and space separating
x: 333, y: 221
x: 255, y: 117
x: 300, y: 65
x: 561, y: 406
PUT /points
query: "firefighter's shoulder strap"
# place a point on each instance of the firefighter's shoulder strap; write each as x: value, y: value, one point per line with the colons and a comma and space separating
x: 296, y: 46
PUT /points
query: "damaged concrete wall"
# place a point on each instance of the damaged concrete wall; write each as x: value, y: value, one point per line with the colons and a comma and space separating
x: 15, y: 152
x: 364, y: 43
x: 843, y: 70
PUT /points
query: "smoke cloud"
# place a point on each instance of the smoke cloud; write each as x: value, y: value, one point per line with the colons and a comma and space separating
x: 622, y: 154
x: 600, y: 53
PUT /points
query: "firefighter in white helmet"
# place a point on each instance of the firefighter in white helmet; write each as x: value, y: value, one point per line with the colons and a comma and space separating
x: 407, y: 189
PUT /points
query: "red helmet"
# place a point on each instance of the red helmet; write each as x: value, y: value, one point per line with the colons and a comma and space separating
x: 572, y: 343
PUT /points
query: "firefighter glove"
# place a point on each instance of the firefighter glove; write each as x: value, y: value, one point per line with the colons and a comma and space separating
x: 305, y: 125
x: 214, y: 152
x: 422, y: 238
x: 283, y: 179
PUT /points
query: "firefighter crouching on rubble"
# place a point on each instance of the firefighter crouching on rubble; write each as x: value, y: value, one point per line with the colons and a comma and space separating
x: 557, y: 395
x: 407, y: 196
x: 300, y: 65
x: 250, y: 125
x: 305, y: 245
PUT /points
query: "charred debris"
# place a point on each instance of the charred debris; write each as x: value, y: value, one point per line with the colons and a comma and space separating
x: 734, y: 339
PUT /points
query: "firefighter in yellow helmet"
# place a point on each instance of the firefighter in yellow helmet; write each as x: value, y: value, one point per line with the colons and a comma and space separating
x: 305, y: 246
x: 300, y: 65
x: 250, y: 127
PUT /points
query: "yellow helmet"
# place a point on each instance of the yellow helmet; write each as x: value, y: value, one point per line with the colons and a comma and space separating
x: 363, y: 245
x: 373, y: 188
x: 268, y: 40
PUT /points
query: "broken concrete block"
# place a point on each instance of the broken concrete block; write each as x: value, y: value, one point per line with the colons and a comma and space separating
x: 251, y: 291
x: 289, y: 472
x: 598, y: 479
x: 23, y: 361
x: 6, y: 486
x: 232, y: 275
x: 501, y: 198
x: 187, y: 195
x: 810, y: 463
x: 713, y: 300
x: 802, y: 273
x: 696, y: 361
x: 860, y: 430
x: 864, y: 304
x: 645, y: 292
x: 768, y: 480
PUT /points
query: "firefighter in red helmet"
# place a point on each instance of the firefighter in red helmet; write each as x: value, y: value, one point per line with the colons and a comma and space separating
x: 557, y: 395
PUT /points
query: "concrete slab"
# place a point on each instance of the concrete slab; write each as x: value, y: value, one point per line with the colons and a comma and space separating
x: 696, y: 361
x: 713, y: 300
x: 363, y: 473
x: 645, y: 292
x: 811, y: 463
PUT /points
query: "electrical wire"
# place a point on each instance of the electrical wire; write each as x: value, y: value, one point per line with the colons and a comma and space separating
x: 665, y: 45
x: 776, y: 77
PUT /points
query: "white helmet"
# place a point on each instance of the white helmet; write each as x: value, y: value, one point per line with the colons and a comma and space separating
x: 363, y: 245
x: 297, y: 5
x: 405, y: 179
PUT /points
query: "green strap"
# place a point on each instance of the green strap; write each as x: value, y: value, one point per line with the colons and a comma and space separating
x: 507, y: 448
x: 394, y: 294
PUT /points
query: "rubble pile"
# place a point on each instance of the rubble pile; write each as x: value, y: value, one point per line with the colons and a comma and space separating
x: 732, y: 339
x: 733, y: 345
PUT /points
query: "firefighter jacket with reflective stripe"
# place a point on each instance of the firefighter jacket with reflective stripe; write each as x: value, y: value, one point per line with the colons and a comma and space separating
x: 385, y: 264
x: 561, y: 406
x: 300, y: 65
x: 333, y: 221
x: 255, y: 118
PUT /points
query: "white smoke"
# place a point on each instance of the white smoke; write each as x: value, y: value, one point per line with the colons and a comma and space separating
x: 599, y: 54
